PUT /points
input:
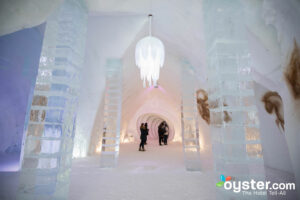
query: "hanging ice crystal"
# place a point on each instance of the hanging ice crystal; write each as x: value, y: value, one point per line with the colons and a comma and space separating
x: 47, y: 153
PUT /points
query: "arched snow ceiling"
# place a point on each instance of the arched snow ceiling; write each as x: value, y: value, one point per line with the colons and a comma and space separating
x: 16, y: 15
x: 175, y: 22
x: 178, y: 23
x: 116, y: 25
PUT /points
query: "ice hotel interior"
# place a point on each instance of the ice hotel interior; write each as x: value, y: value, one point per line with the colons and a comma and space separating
x: 149, y: 99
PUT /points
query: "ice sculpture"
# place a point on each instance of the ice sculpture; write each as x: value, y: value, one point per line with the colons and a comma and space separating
x: 189, y: 119
x: 112, y: 114
x: 234, y: 122
x: 47, y: 150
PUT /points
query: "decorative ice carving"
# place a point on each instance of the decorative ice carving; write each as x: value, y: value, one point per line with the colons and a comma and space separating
x: 273, y: 104
x: 202, y: 105
x: 292, y: 73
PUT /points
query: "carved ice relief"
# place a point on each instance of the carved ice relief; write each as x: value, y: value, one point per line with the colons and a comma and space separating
x: 292, y: 72
x: 274, y: 105
x: 202, y: 105
x: 227, y: 117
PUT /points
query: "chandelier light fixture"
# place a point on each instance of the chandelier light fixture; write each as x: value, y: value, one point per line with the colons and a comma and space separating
x: 149, y: 57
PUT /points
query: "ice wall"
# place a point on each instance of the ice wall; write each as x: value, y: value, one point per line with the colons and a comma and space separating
x: 19, y: 57
x: 48, y: 143
x: 108, y: 37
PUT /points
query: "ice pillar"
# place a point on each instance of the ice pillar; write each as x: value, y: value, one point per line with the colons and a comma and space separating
x: 112, y: 114
x: 234, y: 122
x: 189, y: 119
x: 48, y: 144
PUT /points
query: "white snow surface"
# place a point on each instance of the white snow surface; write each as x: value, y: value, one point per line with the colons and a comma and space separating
x: 157, y: 173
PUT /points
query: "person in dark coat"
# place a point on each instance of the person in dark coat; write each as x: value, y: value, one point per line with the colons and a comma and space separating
x: 166, y: 135
x: 144, y: 132
x: 161, y: 131
x: 146, y: 126
x: 141, y: 127
x: 141, y: 130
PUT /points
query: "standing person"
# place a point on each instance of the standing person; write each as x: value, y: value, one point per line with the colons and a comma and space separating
x: 144, y: 132
x: 146, y: 127
x: 161, y: 133
x: 142, y: 127
x: 166, y: 135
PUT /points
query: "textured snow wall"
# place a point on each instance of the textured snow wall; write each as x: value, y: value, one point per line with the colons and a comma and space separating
x: 108, y: 36
x: 275, y: 150
x: 48, y: 145
x: 283, y: 17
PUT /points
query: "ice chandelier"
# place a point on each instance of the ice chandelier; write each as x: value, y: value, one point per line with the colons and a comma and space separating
x: 149, y: 57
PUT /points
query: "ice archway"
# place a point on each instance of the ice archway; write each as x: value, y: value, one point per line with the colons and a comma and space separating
x: 154, y: 120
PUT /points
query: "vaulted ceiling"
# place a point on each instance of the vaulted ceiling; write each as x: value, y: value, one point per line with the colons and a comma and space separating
x: 115, y: 26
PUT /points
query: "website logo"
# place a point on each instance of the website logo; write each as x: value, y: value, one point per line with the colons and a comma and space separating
x: 253, y: 187
x: 223, y: 180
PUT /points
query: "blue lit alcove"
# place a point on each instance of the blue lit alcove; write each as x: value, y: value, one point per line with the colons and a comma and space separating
x: 19, y: 60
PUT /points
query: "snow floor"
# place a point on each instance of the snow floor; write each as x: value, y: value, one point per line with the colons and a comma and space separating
x: 158, y: 173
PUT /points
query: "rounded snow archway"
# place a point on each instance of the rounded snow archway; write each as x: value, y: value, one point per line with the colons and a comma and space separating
x: 154, y: 120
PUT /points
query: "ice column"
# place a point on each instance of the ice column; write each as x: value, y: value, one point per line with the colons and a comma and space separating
x: 48, y: 144
x: 112, y: 114
x: 189, y: 119
x: 234, y: 122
